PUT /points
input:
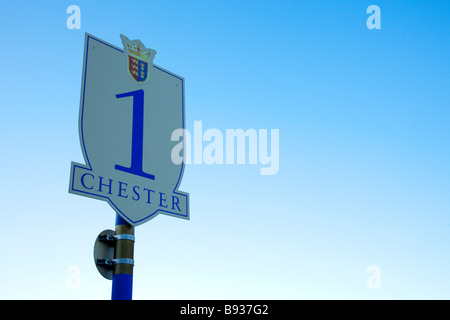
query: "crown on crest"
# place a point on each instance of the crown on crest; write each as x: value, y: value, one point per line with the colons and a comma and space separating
x: 137, y: 49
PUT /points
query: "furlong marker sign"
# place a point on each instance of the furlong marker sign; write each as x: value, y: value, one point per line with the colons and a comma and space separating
x: 128, y: 111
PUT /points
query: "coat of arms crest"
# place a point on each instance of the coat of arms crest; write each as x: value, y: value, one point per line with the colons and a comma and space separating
x: 139, y: 59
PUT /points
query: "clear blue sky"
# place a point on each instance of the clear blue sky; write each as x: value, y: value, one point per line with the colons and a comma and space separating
x: 364, y: 174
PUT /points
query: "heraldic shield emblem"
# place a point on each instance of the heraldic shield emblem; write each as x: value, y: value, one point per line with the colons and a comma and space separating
x: 129, y: 108
x: 139, y: 58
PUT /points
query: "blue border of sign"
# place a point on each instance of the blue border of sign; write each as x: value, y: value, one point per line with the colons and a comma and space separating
x: 85, y: 155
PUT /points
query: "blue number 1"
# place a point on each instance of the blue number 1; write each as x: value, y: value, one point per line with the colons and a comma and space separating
x: 137, y: 135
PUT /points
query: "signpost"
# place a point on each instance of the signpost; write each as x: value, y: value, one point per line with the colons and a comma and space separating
x: 129, y: 108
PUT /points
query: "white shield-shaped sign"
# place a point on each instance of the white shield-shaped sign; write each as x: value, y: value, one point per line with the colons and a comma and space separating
x: 125, y: 126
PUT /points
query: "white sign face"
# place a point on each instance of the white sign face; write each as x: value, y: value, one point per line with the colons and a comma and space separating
x: 128, y: 111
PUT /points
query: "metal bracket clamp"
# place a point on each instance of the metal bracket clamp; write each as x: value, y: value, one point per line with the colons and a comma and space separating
x: 112, y: 262
x: 115, y: 237
x: 104, y: 248
x: 124, y: 236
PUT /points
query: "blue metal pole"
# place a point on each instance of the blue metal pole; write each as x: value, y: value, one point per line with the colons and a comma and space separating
x: 122, y: 282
